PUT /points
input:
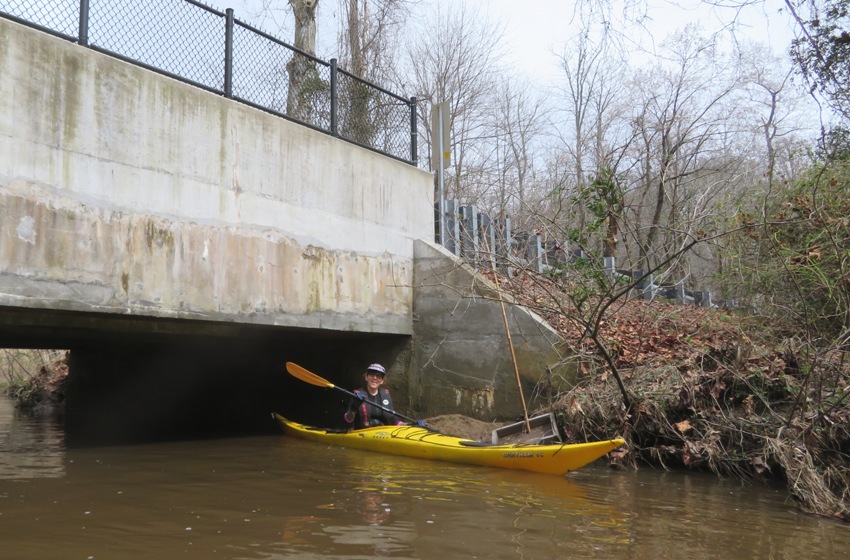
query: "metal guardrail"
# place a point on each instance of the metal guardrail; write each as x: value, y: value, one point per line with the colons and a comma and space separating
x: 194, y: 43
x: 472, y: 235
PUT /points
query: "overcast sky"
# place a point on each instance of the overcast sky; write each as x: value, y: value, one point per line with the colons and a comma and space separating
x: 535, y: 29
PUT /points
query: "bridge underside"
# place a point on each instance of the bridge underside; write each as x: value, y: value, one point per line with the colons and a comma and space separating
x: 135, y: 380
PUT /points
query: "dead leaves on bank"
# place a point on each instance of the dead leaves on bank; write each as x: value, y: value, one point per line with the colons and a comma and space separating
x: 704, y: 395
x: 640, y: 333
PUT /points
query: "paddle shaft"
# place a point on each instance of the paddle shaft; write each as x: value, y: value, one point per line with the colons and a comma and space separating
x: 309, y: 377
x: 384, y: 408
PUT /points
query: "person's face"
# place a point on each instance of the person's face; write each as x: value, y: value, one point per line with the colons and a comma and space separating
x: 374, y: 380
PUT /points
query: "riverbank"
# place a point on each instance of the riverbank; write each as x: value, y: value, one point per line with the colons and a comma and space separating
x: 710, y: 390
x: 34, y: 380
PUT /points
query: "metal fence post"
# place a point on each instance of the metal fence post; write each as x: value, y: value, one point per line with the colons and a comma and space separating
x: 680, y: 293
x: 535, y: 248
x: 610, y: 266
x: 469, y: 232
x: 414, y: 150
x: 649, y: 287
x: 228, y: 53
x: 334, y: 98
x: 452, y: 226
x: 83, y: 35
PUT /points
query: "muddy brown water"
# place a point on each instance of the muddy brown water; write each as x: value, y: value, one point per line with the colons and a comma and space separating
x: 272, y: 497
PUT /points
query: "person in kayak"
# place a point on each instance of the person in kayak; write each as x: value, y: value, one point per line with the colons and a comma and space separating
x: 363, y: 414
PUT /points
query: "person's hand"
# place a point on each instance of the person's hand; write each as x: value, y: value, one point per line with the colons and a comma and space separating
x: 400, y: 424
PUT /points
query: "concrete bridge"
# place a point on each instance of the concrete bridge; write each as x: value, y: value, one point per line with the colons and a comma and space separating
x: 184, y: 246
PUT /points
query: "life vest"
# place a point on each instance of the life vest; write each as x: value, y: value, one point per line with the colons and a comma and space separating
x: 380, y: 417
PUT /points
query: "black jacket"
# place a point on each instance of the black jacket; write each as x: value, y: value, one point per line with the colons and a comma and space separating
x: 366, y: 414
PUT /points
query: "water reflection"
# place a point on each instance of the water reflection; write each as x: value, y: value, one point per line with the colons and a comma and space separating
x: 428, y: 505
x: 697, y: 513
x: 278, y: 498
x: 29, y: 447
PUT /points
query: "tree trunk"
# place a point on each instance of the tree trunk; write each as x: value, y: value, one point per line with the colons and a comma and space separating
x: 304, y: 79
x: 612, y: 234
x: 355, y: 39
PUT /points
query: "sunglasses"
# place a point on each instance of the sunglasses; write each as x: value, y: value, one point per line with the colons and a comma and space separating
x: 375, y: 374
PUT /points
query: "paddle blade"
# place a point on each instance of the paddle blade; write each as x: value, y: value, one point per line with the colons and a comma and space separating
x: 307, y: 376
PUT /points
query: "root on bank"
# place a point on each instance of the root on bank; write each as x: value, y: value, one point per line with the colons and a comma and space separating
x: 760, y: 418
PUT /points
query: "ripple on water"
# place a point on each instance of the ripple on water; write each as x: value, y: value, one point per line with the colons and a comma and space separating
x: 279, y: 498
x: 30, y: 447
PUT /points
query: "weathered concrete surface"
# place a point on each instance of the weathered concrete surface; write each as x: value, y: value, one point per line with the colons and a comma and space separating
x: 126, y: 192
x: 184, y: 246
x: 461, y: 356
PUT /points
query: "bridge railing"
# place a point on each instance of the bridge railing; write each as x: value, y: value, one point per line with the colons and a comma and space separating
x: 210, y: 49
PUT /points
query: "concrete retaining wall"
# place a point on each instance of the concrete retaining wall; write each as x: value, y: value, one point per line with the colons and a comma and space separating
x: 461, y: 356
x: 124, y: 191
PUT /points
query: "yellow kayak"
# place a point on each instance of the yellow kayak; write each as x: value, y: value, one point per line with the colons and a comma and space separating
x: 415, y: 441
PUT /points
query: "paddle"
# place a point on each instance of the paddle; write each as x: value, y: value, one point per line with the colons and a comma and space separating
x: 309, y: 377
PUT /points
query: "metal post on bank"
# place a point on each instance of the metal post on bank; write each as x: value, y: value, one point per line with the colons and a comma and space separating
x: 440, y: 158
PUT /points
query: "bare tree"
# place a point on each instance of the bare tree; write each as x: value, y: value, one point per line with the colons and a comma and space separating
x: 304, y: 78
x: 369, y: 33
x: 454, y: 58
x: 594, y: 137
x: 773, y: 101
x: 517, y: 122
x: 681, y: 116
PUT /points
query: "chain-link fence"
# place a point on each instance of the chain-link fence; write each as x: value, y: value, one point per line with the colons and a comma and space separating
x: 213, y: 50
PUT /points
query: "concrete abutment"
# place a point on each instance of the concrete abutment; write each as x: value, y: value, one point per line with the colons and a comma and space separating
x: 184, y: 247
